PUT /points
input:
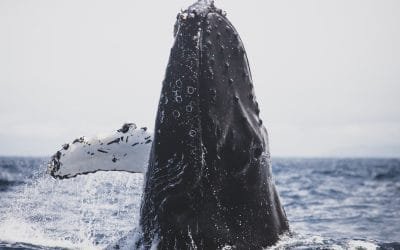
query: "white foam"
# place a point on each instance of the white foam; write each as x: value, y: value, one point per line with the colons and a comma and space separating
x: 16, y: 230
x: 361, y: 245
x: 87, y: 212
x: 298, y: 241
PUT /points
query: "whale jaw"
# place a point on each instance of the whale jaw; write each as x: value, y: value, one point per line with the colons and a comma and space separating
x: 209, y: 181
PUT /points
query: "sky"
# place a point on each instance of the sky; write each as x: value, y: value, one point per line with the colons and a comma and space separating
x: 326, y: 72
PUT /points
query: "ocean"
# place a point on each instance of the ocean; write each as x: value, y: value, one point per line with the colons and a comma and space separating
x: 330, y: 203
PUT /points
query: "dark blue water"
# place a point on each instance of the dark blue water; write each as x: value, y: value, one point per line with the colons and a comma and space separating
x: 331, y: 204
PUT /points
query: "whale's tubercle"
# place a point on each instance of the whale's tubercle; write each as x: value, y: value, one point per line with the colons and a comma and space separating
x: 209, y: 182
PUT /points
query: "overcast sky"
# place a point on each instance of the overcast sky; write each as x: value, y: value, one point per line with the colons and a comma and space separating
x: 326, y: 72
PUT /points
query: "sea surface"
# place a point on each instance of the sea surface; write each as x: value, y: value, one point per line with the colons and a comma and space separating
x: 330, y: 203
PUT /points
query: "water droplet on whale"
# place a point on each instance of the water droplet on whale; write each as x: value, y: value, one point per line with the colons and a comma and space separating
x: 226, y: 65
x: 213, y: 93
x: 176, y: 113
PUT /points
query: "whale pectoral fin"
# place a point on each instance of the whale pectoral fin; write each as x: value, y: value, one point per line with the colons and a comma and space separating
x: 126, y: 150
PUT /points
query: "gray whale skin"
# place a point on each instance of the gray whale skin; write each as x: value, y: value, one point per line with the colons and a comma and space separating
x: 208, y: 183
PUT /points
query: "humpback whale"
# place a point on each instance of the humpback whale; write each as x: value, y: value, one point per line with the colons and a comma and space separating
x: 208, y: 183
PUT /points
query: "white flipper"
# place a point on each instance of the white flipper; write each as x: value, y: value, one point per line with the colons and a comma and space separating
x: 126, y: 150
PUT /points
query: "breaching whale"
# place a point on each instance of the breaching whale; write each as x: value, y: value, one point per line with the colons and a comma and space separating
x: 208, y: 182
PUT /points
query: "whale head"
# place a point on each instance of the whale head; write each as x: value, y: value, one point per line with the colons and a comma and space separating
x: 209, y: 181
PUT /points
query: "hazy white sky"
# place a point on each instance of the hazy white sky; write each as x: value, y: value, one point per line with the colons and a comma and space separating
x: 326, y: 72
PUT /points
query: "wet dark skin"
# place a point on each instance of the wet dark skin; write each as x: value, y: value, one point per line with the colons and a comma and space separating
x: 209, y: 180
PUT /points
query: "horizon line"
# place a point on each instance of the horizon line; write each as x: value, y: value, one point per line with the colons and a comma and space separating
x: 272, y: 157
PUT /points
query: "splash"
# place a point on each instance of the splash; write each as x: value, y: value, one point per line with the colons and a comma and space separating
x: 300, y: 241
x: 102, y: 209
x: 17, y: 230
x: 82, y: 213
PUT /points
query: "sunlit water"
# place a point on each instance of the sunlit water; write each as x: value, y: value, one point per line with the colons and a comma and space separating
x: 331, y: 204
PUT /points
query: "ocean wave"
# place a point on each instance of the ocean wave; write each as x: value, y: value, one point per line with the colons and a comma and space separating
x: 7, y: 184
x: 330, y: 203
x: 15, y: 171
